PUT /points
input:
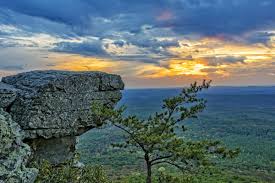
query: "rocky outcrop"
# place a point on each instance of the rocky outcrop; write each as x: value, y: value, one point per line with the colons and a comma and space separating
x: 14, y: 153
x: 53, y: 107
x: 57, y: 103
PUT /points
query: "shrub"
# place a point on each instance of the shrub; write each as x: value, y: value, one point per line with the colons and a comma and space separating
x: 69, y: 173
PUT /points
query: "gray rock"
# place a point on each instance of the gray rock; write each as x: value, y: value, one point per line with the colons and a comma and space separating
x: 7, y: 95
x: 57, y: 103
x: 52, y: 107
x: 13, y: 153
x: 55, y: 150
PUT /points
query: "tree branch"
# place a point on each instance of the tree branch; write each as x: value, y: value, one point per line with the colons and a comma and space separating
x: 161, y: 158
x: 127, y: 131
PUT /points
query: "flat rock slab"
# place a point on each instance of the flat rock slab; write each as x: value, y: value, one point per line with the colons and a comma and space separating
x: 69, y: 81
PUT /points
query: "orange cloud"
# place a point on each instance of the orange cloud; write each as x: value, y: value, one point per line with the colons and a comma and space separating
x: 208, y: 58
x: 80, y: 63
x: 218, y: 47
x: 187, y: 67
x: 173, y: 68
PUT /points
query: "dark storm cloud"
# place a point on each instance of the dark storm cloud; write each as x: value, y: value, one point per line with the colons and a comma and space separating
x: 138, y: 23
x: 87, y: 48
x: 224, y: 16
x: 119, y: 43
x: 84, y: 17
x: 260, y: 37
x: 207, y: 17
x: 152, y: 42
x: 26, y: 25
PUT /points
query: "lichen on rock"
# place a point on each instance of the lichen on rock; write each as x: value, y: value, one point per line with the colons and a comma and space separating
x: 7, y: 95
x: 53, y: 104
x: 54, y: 107
x: 13, y: 153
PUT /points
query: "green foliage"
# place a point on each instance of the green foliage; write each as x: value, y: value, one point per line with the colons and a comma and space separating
x: 205, y: 175
x: 209, y: 175
x: 68, y: 173
x: 156, y: 136
x: 239, y: 120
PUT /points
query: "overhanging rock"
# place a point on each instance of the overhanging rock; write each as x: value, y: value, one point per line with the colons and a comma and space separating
x: 52, y: 107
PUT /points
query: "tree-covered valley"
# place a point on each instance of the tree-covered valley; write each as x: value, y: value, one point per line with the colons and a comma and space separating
x: 240, y: 117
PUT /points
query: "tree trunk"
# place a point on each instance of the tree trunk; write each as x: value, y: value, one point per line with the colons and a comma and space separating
x: 149, y: 174
x: 149, y: 169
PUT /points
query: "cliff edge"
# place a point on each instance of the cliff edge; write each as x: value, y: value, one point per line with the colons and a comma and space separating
x: 53, y: 107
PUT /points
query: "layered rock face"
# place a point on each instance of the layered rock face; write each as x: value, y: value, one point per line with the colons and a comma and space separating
x: 52, y: 107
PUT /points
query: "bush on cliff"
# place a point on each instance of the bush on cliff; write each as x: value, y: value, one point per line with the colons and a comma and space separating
x: 69, y: 173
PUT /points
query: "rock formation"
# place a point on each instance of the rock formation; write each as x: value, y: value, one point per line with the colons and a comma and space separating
x: 53, y: 107
x: 14, y: 153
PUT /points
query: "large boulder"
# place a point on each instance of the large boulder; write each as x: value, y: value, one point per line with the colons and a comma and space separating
x: 57, y: 103
x: 14, y: 153
x: 52, y: 107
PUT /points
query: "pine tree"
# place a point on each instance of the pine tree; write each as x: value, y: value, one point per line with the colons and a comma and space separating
x: 158, y: 138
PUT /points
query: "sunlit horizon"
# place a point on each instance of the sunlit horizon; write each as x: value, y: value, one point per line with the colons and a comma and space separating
x: 169, y: 44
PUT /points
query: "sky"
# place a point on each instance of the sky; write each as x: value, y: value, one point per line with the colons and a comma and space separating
x: 157, y: 43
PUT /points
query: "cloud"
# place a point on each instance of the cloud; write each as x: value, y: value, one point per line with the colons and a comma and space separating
x: 19, y: 59
x: 265, y: 37
x: 214, y: 61
x: 221, y: 17
x: 146, y: 30
x: 205, y: 17
x: 119, y: 43
x: 142, y: 46
x: 12, y: 68
x: 177, y: 39
x: 91, y: 47
x: 19, y: 23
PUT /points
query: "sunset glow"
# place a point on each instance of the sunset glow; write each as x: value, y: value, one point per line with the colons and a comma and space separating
x: 168, y: 41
